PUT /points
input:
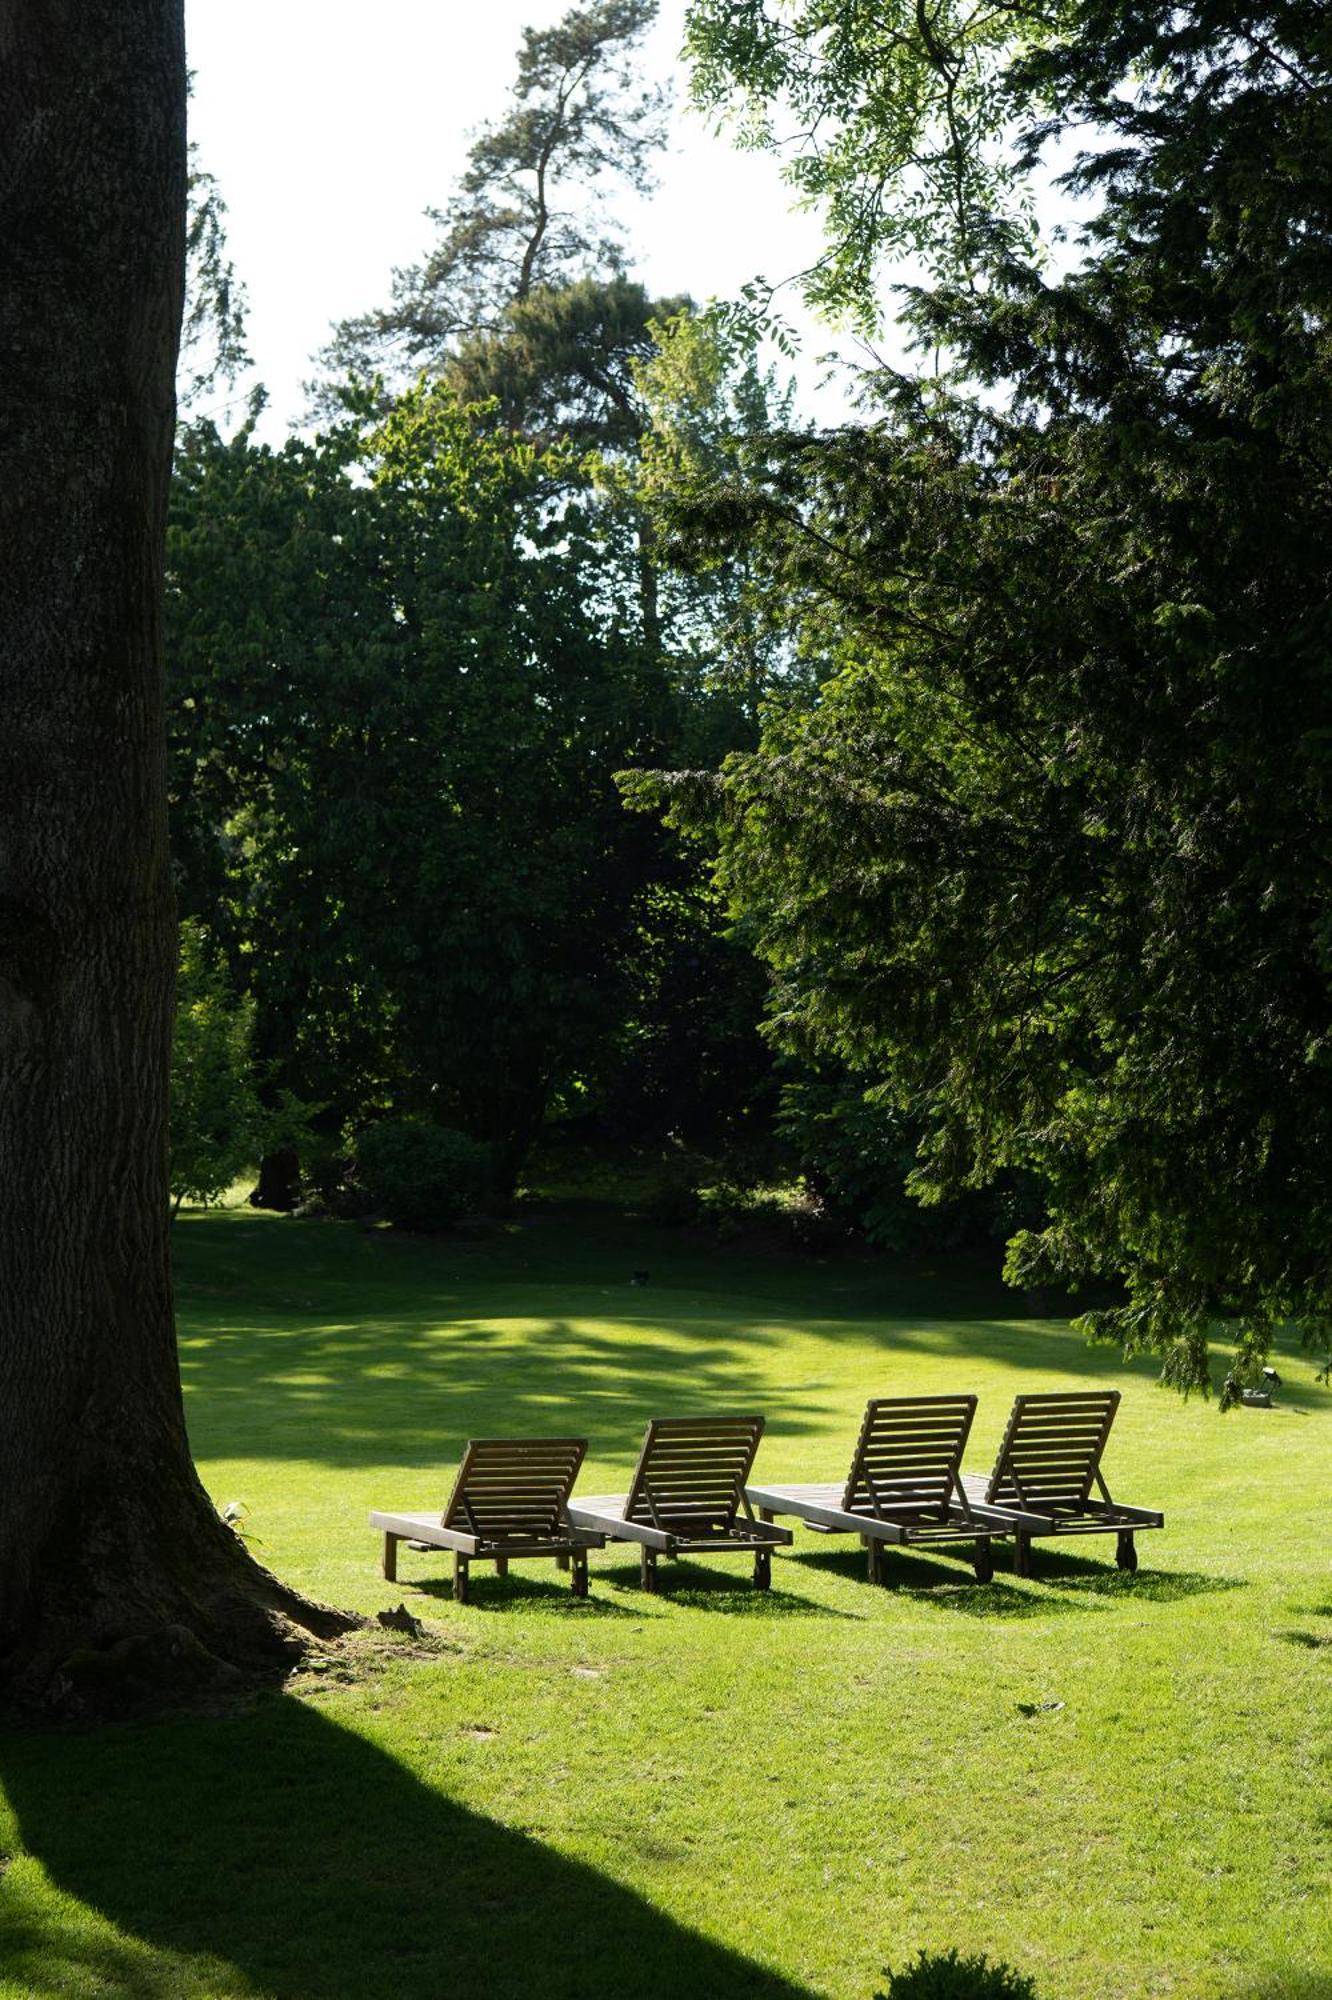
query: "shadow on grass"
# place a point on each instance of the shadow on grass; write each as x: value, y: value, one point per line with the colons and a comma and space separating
x: 1078, y: 1574
x: 1312, y: 1642
x: 946, y: 1586
x: 301, y: 1855
x: 1059, y: 1583
x: 412, y: 1391
x: 681, y: 1582
x: 704, y: 1589
x: 528, y: 1594
x: 316, y: 1341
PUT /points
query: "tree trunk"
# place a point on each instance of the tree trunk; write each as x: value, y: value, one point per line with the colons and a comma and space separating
x: 114, y: 1567
x: 279, y: 1183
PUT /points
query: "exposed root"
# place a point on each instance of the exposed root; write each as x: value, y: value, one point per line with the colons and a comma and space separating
x: 121, y: 1646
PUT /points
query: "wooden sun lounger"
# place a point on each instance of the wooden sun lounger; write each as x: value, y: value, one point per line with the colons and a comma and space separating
x: 903, y: 1488
x: 687, y: 1496
x: 511, y: 1498
x: 1048, y: 1463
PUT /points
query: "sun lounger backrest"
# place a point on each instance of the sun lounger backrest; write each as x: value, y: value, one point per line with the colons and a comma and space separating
x: 908, y: 1454
x: 514, y: 1486
x: 691, y: 1473
x: 1052, y: 1448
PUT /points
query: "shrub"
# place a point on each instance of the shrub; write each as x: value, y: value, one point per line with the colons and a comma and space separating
x: 422, y: 1176
x: 945, y: 1976
x: 857, y: 1153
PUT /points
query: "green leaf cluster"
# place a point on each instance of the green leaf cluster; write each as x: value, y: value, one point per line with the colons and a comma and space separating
x: 217, y: 1122
x: 1048, y: 861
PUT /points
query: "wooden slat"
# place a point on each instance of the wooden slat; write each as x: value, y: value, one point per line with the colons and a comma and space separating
x: 820, y: 1508
x: 1047, y: 1463
x: 907, y: 1455
x: 509, y: 1487
x: 1052, y: 1446
x: 691, y: 1470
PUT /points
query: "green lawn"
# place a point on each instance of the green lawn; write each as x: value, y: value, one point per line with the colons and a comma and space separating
x: 1120, y: 1784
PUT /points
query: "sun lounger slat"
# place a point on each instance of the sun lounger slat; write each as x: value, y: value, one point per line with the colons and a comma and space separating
x: 1047, y: 1465
x: 686, y: 1494
x: 510, y: 1499
x: 902, y: 1487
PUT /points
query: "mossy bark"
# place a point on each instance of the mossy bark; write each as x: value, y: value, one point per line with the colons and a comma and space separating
x: 106, y: 1536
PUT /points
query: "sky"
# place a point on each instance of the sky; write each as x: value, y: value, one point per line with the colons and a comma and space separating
x: 331, y: 128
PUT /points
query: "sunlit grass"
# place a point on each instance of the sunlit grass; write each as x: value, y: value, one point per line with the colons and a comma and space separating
x: 1119, y: 1784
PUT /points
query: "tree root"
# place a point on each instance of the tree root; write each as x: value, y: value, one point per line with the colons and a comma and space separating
x: 113, y: 1653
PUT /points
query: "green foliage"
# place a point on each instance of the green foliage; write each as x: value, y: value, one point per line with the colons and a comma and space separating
x: 899, y: 111
x: 397, y: 712
x: 856, y: 1151
x: 704, y: 394
x: 1048, y: 862
x: 217, y: 1121
x: 528, y: 216
x: 422, y: 1176
x: 949, y: 1976
x: 561, y: 364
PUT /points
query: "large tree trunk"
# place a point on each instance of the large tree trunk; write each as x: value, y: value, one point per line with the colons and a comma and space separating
x: 113, y: 1563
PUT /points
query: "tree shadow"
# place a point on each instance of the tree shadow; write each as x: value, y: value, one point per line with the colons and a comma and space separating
x: 300, y: 1854
x: 528, y: 1594
x: 317, y: 1341
x: 938, y: 1585
x: 705, y: 1589
x: 1079, y: 1574
x: 411, y: 1391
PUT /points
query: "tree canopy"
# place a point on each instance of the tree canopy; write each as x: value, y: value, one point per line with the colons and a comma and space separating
x: 531, y: 213
x: 1049, y: 859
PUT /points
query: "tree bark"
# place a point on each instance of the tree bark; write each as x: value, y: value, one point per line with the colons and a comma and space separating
x: 114, y: 1566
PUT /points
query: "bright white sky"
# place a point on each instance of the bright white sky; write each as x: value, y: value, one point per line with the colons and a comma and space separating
x: 331, y: 126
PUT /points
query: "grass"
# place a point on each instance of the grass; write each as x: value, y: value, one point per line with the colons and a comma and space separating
x: 1121, y: 1785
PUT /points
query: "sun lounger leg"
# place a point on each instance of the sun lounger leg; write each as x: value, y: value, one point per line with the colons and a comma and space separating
x: 763, y: 1568
x: 983, y: 1561
x: 459, y: 1577
x: 1126, y: 1551
x: 561, y: 1562
x: 766, y: 1514
x: 390, y: 1558
x: 1021, y: 1554
x: 579, y: 1580
x: 647, y: 1568
x: 874, y: 1559
x: 501, y: 1565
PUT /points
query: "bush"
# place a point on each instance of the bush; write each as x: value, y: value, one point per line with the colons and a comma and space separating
x: 945, y: 1976
x: 857, y: 1153
x: 422, y: 1176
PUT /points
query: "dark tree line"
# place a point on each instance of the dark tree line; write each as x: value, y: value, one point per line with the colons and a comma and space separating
x: 408, y: 657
